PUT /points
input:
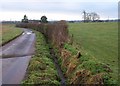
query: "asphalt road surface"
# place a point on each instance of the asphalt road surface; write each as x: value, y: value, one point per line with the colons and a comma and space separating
x: 16, y: 56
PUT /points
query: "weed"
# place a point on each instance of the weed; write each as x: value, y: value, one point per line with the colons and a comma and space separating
x: 70, y: 48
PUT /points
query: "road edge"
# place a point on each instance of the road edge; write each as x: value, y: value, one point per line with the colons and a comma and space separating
x: 11, y: 39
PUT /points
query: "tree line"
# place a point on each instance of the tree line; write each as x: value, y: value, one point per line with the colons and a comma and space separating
x: 42, y: 20
x: 88, y: 17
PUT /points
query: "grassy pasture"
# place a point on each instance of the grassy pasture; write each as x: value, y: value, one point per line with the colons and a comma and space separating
x: 97, y: 40
x: 8, y: 32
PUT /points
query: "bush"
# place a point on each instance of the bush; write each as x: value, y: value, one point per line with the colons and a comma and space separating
x: 56, y: 32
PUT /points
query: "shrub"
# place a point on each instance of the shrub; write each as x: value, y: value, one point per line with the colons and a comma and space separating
x: 56, y: 32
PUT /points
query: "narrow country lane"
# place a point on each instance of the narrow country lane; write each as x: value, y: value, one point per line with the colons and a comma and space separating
x: 16, y: 56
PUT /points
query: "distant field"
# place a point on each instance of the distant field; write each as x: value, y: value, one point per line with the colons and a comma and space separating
x: 97, y: 40
x: 8, y: 32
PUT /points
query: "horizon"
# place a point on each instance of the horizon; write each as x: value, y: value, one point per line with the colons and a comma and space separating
x: 56, y: 20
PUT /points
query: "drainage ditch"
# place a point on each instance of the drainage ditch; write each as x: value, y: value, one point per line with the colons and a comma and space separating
x: 58, y: 68
x: 55, y: 61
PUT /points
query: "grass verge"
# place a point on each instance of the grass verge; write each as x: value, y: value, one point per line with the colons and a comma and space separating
x: 41, y: 69
x: 84, y: 69
x: 9, y: 32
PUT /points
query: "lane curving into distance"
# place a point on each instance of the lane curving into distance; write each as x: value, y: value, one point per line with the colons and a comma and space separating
x: 16, y: 56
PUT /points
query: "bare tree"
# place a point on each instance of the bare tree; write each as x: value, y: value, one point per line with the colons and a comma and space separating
x: 90, y: 16
x: 84, y: 15
x: 95, y: 16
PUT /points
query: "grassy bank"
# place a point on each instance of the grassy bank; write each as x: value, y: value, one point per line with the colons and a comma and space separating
x: 97, y: 40
x: 8, y: 32
x: 41, y: 69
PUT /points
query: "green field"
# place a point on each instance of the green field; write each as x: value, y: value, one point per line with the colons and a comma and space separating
x: 8, y: 32
x: 97, y: 40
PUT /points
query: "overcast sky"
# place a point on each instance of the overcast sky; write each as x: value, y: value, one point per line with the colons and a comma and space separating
x: 57, y: 9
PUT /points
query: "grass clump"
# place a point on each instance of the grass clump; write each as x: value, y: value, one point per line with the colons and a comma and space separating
x: 70, y: 48
x: 41, y: 69
x: 109, y: 80
x: 95, y: 67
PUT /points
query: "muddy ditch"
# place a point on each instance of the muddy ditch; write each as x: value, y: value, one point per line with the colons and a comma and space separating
x: 56, y: 63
